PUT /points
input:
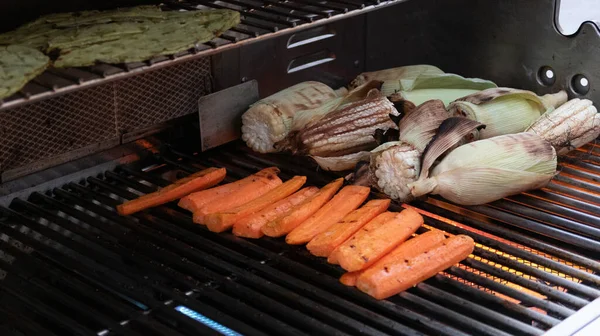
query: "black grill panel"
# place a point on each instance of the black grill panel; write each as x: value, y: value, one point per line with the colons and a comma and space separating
x: 71, y: 265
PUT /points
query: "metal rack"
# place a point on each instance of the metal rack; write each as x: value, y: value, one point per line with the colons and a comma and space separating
x: 71, y: 265
x: 260, y: 19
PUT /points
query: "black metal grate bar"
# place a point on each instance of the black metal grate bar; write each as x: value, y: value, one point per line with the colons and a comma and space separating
x: 72, y: 265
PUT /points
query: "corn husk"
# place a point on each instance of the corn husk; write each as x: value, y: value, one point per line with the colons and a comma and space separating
x: 393, y: 165
x: 405, y: 74
x: 341, y: 163
x: 445, y: 87
x: 487, y: 170
x: 347, y: 130
x: 269, y: 120
x: 504, y: 110
x: 18, y: 65
x: 570, y: 126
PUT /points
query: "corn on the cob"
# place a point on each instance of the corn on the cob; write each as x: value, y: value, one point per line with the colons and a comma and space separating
x: 504, y: 110
x: 347, y: 130
x: 488, y: 170
x: 395, y: 164
x: 270, y: 119
x: 570, y: 126
x: 406, y: 74
x: 445, y: 87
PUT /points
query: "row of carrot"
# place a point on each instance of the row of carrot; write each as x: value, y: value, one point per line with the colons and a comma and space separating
x: 368, y: 241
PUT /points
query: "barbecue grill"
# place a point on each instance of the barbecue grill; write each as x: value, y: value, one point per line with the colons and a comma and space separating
x: 75, y: 143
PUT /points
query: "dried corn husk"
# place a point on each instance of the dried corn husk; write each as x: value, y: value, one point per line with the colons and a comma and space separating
x: 270, y: 119
x: 504, y: 110
x: 487, y: 170
x: 570, y: 126
x: 18, y: 65
x: 394, y: 165
x: 405, y: 74
x: 347, y: 130
x: 341, y: 163
x: 445, y: 87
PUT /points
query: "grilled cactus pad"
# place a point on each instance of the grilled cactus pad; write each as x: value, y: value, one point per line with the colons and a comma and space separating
x: 18, y: 65
x: 120, y: 36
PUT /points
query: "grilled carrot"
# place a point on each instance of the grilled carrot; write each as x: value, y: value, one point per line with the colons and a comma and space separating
x: 195, y: 201
x: 197, y: 181
x: 325, y: 242
x: 408, y: 249
x: 376, y: 239
x: 251, y: 226
x: 348, y: 199
x: 332, y: 259
x: 349, y: 278
x: 221, y: 221
x: 248, y: 192
x: 302, y: 211
x: 382, y: 283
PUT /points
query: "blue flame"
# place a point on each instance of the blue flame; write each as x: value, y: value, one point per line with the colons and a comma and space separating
x: 206, y: 321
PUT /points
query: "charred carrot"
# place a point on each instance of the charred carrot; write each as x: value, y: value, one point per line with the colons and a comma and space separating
x: 348, y: 199
x: 302, y: 211
x: 403, y: 274
x: 349, y: 278
x: 198, y: 181
x: 194, y: 201
x: 325, y: 242
x: 375, y: 239
x: 251, y: 226
x: 259, y: 186
x: 221, y: 221
x: 332, y: 259
x: 409, y: 249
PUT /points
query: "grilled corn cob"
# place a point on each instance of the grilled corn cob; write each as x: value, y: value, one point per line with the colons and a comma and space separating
x: 347, y: 130
x: 504, y: 110
x: 445, y: 87
x: 395, y: 164
x: 487, y: 170
x: 570, y: 126
x: 270, y: 119
x: 406, y: 74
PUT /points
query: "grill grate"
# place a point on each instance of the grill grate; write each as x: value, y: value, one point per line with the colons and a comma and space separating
x: 71, y: 265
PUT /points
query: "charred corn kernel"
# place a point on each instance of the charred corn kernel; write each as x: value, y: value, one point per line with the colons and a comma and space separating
x: 570, y: 126
x: 348, y: 129
x: 394, y: 165
x: 269, y: 120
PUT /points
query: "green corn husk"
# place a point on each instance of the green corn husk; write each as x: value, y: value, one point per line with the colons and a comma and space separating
x: 486, y: 170
x: 405, y: 74
x: 18, y: 65
x: 504, y: 110
x: 445, y: 87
